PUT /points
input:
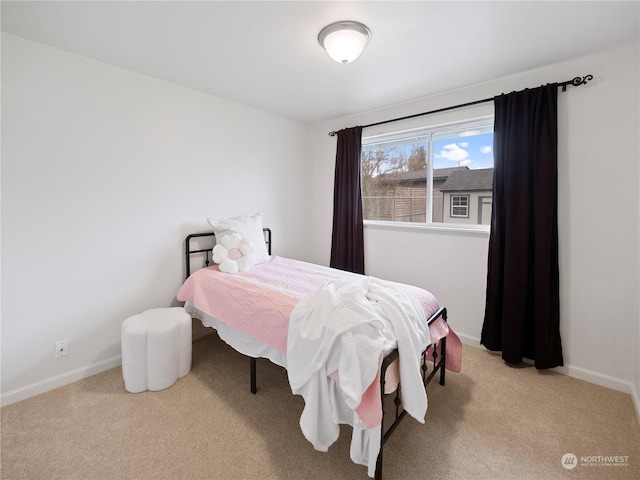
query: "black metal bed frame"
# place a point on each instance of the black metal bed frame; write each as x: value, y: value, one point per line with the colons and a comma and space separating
x: 438, y: 359
x: 438, y: 365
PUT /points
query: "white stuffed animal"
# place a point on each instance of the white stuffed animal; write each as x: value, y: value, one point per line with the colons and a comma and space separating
x: 233, y: 254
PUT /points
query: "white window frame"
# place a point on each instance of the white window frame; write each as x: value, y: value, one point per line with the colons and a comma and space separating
x: 465, y: 206
x: 429, y: 131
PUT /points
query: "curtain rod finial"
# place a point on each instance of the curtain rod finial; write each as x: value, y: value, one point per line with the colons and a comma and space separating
x: 576, y: 82
x: 332, y: 134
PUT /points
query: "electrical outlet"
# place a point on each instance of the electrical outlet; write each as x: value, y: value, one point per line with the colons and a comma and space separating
x: 61, y: 349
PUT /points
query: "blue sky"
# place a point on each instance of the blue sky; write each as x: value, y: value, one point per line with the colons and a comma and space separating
x: 451, y: 150
x: 475, y: 151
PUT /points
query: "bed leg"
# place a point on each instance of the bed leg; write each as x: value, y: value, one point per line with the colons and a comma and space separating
x: 378, y: 475
x: 443, y: 361
x: 253, y: 375
x: 383, y: 374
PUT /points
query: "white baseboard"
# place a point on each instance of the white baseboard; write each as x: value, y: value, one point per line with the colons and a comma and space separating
x: 593, y: 377
x: 467, y: 340
x: 635, y: 397
x: 575, y: 372
x: 52, y: 383
x: 63, y: 379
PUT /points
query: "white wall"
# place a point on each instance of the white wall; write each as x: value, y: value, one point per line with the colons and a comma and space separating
x: 104, y: 172
x: 598, y: 175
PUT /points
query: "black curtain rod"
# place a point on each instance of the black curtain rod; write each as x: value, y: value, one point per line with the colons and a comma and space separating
x: 577, y: 81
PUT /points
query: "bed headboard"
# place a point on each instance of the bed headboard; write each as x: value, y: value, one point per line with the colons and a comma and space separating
x: 191, y: 249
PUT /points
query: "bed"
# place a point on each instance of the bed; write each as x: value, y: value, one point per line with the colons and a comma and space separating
x: 262, y: 311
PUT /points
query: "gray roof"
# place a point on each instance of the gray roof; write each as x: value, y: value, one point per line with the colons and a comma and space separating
x: 468, y: 180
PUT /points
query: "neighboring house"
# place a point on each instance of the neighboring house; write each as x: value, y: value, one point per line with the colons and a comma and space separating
x: 467, y: 196
x: 460, y: 195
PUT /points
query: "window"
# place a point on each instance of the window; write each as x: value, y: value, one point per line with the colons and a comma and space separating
x: 460, y: 206
x: 435, y: 175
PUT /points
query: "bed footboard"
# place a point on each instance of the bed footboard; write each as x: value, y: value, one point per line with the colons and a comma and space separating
x: 439, y: 364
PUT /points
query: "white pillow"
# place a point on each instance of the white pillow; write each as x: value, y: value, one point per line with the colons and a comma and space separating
x: 233, y: 254
x: 249, y: 228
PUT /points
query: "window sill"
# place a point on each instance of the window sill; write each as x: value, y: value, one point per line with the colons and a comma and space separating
x: 448, y: 228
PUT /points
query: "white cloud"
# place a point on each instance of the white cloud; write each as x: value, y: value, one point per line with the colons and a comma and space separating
x: 486, y: 149
x: 454, y: 153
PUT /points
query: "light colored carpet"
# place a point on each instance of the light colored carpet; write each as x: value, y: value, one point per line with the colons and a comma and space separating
x: 491, y: 421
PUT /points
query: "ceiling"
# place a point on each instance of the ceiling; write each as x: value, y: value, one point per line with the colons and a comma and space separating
x: 266, y: 55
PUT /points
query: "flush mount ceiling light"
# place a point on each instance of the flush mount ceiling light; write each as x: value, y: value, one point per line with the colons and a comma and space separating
x: 344, y: 41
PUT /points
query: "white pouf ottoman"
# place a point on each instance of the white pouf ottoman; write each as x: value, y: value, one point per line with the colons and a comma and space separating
x: 156, y: 349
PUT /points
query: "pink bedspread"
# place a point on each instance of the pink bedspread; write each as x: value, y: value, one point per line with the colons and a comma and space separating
x: 259, y: 302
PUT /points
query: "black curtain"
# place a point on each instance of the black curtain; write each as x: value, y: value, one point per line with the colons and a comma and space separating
x: 347, y: 240
x: 522, y: 312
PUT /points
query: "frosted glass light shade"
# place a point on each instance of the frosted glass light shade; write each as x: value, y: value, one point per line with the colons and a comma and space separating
x: 344, y: 41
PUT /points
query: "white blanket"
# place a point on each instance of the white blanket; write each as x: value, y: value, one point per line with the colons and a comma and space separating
x: 346, y: 326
